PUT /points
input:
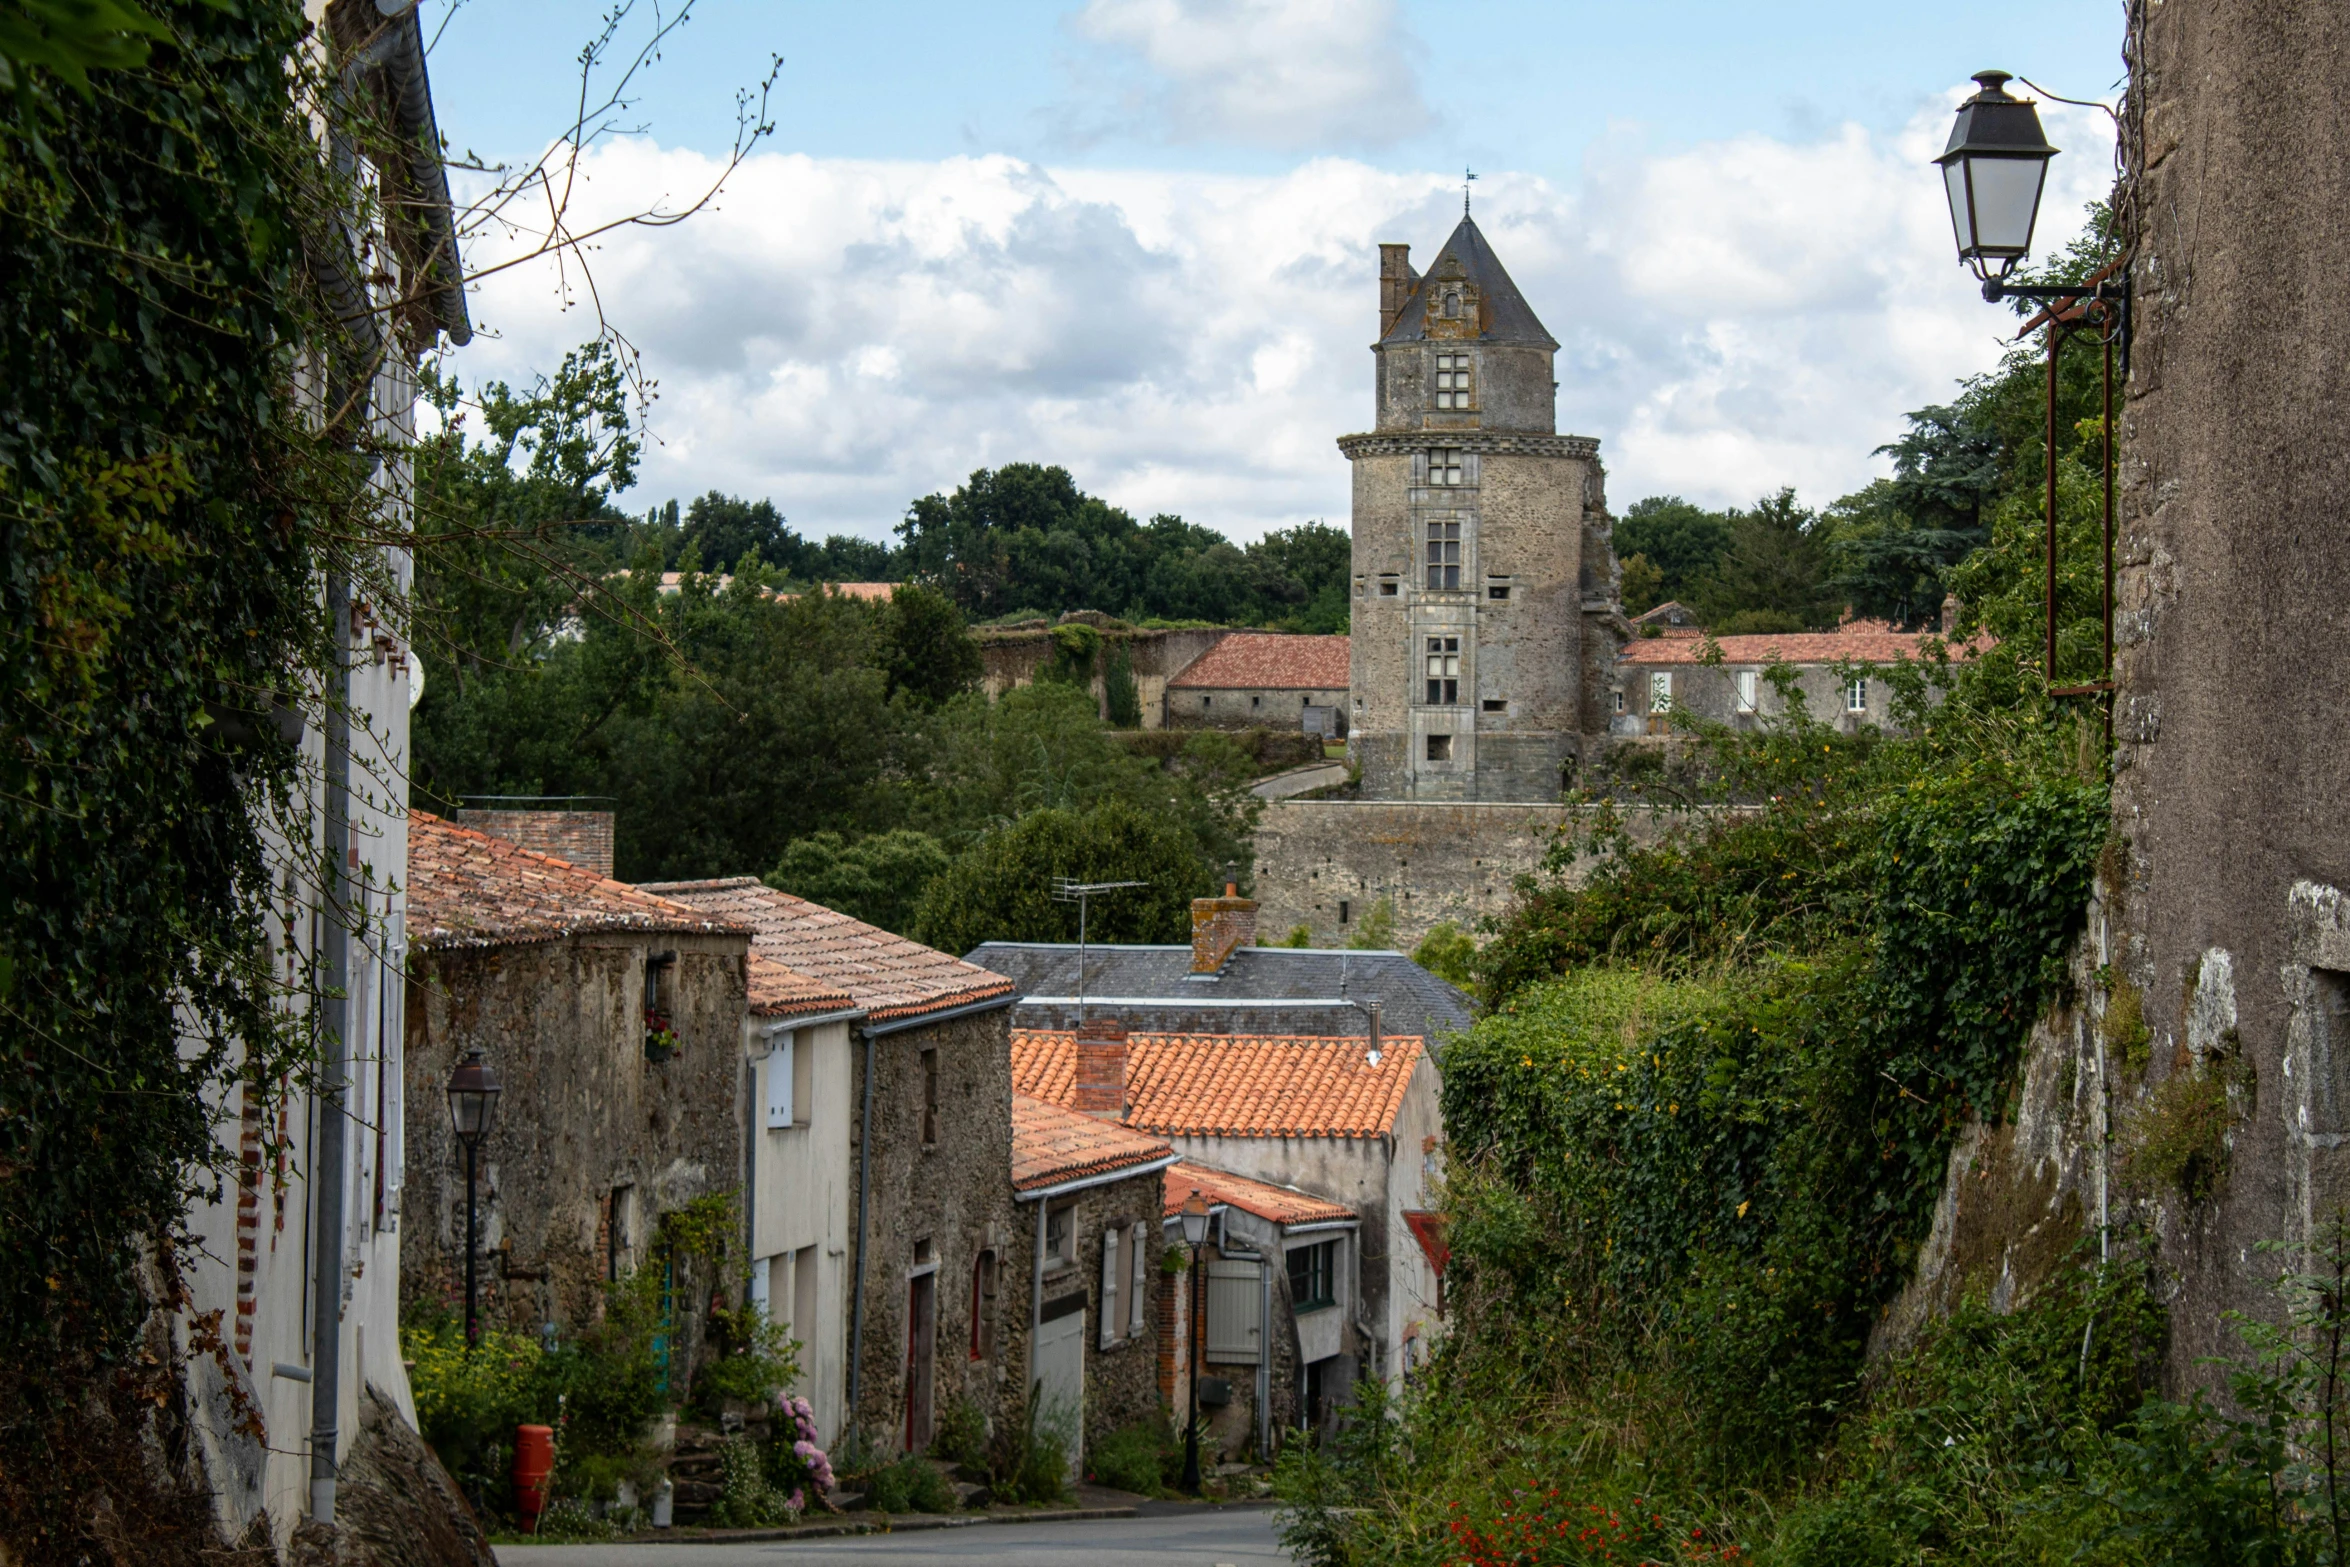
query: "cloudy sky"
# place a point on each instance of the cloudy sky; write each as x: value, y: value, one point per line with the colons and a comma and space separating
x: 1135, y: 237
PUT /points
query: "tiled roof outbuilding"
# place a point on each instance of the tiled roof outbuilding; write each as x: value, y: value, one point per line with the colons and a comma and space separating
x: 1856, y: 641
x: 1269, y: 661
x: 469, y: 889
x: 1274, y: 1204
x: 886, y: 975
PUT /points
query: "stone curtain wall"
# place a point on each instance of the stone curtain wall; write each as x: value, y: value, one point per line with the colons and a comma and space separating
x: 584, y: 1112
x: 1012, y: 658
x: 1435, y: 861
x: 2233, y: 639
x: 1243, y: 707
x: 956, y: 1194
x: 582, y: 837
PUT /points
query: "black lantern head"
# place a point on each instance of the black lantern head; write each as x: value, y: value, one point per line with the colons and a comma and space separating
x: 1992, y: 172
x: 473, y: 1098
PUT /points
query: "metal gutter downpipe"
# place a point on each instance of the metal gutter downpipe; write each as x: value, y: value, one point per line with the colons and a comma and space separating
x: 864, y: 1187
x: 1265, y: 1344
x: 328, y: 1178
x: 1036, y: 1298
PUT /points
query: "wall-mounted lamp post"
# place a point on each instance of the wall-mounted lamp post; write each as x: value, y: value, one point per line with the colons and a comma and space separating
x: 473, y: 1104
x: 1993, y: 172
x: 1195, y: 1234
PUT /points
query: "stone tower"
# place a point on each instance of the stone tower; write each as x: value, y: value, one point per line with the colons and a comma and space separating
x: 1485, y: 598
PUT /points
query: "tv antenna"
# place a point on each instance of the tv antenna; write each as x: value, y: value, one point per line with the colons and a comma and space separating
x: 1079, y: 893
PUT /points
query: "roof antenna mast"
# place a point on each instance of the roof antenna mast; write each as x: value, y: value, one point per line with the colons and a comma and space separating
x: 1079, y: 892
x: 1467, y: 175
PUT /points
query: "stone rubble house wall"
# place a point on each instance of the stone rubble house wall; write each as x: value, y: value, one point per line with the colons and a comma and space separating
x: 1121, y: 1380
x: 584, y: 838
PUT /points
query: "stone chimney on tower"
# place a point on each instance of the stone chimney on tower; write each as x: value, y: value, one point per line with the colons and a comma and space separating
x: 1220, y: 927
x: 1101, y: 1068
x: 1396, y: 278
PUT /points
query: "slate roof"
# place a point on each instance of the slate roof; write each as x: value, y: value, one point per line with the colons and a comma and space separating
x: 469, y: 889
x: 1269, y: 660
x: 1235, y: 1085
x: 776, y: 991
x: 1856, y: 641
x: 1051, y: 1145
x: 889, y: 976
x: 1505, y: 317
x: 1275, y: 1204
x: 1261, y: 990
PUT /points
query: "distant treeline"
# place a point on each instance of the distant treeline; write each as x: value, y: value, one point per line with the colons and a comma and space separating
x: 1023, y: 540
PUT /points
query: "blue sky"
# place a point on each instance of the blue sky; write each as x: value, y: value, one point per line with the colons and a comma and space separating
x: 1125, y: 234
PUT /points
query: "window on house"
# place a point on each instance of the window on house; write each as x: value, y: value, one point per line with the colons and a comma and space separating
x: 1113, y: 1309
x: 1444, y: 465
x: 1749, y: 688
x: 1494, y: 704
x: 929, y: 1096
x: 1203, y: 701
x: 1856, y: 697
x: 1444, y: 671
x: 1444, y: 553
x: 1660, y: 692
x: 1619, y: 701
x: 1060, y: 1236
x: 782, y: 1078
x: 983, y: 1288
x: 1256, y: 701
x: 1497, y: 590
x: 1313, y: 1276
x: 1452, y: 380
x: 1440, y: 748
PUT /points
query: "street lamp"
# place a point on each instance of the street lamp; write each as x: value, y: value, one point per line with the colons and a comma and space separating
x: 1195, y: 1233
x: 1992, y: 172
x: 473, y: 1104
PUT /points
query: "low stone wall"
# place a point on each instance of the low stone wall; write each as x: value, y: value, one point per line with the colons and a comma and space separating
x: 1433, y: 860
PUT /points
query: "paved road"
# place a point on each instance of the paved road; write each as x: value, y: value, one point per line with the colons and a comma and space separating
x: 1242, y: 1537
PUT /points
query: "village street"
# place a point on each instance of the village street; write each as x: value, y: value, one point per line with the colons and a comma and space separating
x: 1165, y: 1533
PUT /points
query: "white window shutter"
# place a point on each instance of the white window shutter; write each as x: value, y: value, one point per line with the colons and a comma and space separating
x: 1110, y: 1318
x: 1140, y: 1297
x: 779, y: 1076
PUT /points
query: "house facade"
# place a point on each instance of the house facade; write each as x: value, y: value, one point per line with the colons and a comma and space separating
x: 1085, y: 1269
x: 614, y: 1021
x: 1728, y: 680
x: 912, y: 1171
x: 1342, y: 1120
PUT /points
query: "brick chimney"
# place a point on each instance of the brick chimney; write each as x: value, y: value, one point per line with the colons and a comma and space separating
x: 1101, y: 1068
x: 582, y: 837
x: 1396, y: 278
x: 1219, y: 927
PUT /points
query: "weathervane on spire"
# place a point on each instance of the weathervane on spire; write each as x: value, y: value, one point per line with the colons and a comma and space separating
x: 1467, y: 174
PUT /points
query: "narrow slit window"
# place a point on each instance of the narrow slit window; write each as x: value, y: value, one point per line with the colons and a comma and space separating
x: 1494, y: 704
x: 929, y: 1096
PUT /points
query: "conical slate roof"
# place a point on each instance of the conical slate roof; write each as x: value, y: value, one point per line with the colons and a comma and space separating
x: 1505, y: 317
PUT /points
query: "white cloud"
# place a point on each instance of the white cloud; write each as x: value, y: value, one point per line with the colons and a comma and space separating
x: 843, y: 336
x: 1293, y: 74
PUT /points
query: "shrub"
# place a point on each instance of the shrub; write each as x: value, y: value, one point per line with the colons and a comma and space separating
x: 1029, y: 1461
x: 962, y: 1433
x: 911, y: 1485
x: 1134, y: 1458
x: 748, y: 1499
x: 469, y: 1402
x: 1376, y: 931
x: 1447, y: 952
x: 2178, y: 1138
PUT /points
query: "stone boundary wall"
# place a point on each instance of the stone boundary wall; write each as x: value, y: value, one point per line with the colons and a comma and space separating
x: 1012, y: 658
x: 1434, y: 860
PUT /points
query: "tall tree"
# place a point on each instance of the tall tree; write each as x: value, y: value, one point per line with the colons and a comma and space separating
x: 1681, y: 541
x: 1774, y: 576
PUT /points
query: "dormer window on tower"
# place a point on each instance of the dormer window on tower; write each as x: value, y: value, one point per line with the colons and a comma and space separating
x: 1452, y: 380
x: 1444, y: 552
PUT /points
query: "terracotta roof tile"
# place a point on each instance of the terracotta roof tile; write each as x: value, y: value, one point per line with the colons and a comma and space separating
x: 1235, y: 1085
x: 778, y: 992
x: 1051, y: 1145
x: 1277, y: 1204
x: 1858, y: 642
x: 1270, y: 660
x: 469, y: 889
x: 889, y: 976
